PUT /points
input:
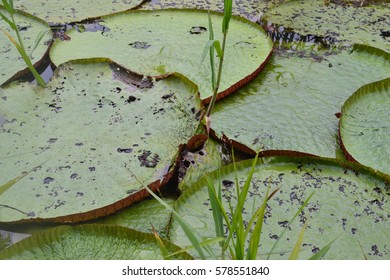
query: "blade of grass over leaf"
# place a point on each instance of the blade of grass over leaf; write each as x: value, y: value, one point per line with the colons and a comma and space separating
x: 37, y: 41
x: 161, y: 246
x: 255, y: 236
x: 321, y: 253
x: 291, y: 221
x: 189, y: 231
x: 294, y: 254
x: 20, y: 45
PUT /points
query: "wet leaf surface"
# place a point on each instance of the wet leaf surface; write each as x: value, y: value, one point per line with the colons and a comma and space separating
x: 159, y: 42
x: 89, y: 242
x: 292, y: 104
x: 345, y: 25
x: 348, y: 204
x: 89, y: 148
x: 365, y: 126
x: 11, y: 60
x: 57, y: 11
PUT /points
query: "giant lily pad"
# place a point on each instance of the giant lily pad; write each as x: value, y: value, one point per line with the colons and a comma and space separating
x: 90, y: 242
x: 57, y: 11
x: 350, y: 205
x: 84, y: 146
x: 159, y: 42
x: 250, y: 9
x: 29, y: 27
x: 292, y: 104
x: 340, y: 24
x: 365, y: 126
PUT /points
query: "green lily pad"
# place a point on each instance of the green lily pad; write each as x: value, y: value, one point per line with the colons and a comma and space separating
x: 343, y: 25
x: 57, y: 11
x: 250, y: 9
x: 12, y: 64
x: 159, y: 42
x: 350, y: 205
x: 365, y: 126
x: 143, y: 216
x: 90, y: 242
x: 292, y: 104
x: 90, y: 141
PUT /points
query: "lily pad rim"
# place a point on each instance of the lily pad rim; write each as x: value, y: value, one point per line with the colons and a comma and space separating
x: 283, y: 156
x: 234, y: 87
x: 56, y: 232
x: 363, y: 90
x: 136, y: 196
x: 38, y: 63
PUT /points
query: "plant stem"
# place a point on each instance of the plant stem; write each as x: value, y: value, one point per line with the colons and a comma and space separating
x: 219, y: 75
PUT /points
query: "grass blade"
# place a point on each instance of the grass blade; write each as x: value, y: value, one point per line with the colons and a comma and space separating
x: 161, y: 246
x: 227, y: 15
x: 217, y: 209
x: 292, y: 220
x: 323, y: 251
x: 295, y: 252
x: 187, y: 228
x: 254, y: 240
x: 10, y: 23
x: 37, y: 41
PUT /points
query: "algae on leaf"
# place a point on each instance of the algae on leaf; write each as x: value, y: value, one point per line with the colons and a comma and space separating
x: 59, y: 11
x: 350, y: 204
x: 29, y: 27
x: 159, y: 42
x: 342, y: 25
x: 97, y: 135
x: 90, y: 242
x: 292, y: 104
x: 365, y: 126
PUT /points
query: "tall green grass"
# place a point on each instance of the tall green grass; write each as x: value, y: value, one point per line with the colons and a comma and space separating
x: 215, y: 45
x: 18, y: 42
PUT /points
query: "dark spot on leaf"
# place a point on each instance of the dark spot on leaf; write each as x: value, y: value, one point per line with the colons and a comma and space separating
x: 273, y: 236
x: 48, y: 180
x: 148, y: 159
x: 167, y: 96
x: 124, y: 150
x: 315, y: 249
x: 31, y: 214
x: 227, y: 183
x: 92, y: 168
x: 74, y: 175
x: 79, y: 144
x: 139, y: 45
x: 78, y: 194
x: 52, y: 140
x: 198, y: 30
x: 131, y: 99
x: 283, y: 223
x: 353, y: 230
